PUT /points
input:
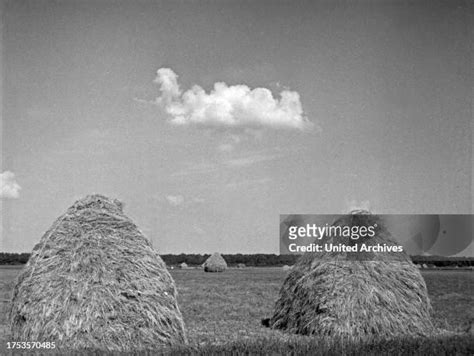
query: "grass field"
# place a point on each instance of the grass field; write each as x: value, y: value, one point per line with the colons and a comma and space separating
x: 223, y: 313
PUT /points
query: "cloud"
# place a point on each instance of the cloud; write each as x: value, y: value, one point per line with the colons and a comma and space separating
x: 175, y: 200
x: 9, y: 188
x: 235, y: 106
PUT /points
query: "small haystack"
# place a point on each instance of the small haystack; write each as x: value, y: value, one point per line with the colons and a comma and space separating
x: 215, y: 263
x: 286, y: 268
x: 95, y: 282
x: 358, y: 297
x: 241, y: 265
x: 183, y: 265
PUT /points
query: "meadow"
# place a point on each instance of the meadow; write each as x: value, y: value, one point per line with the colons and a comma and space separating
x: 223, y: 313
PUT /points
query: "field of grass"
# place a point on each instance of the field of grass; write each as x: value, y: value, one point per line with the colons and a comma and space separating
x: 223, y: 313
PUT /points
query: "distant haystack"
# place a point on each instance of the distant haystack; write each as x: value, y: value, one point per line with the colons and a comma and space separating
x: 286, y: 268
x: 94, y: 282
x: 241, y: 265
x: 215, y: 263
x: 183, y: 265
x: 354, y: 297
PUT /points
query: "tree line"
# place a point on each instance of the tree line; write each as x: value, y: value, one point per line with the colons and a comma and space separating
x: 253, y: 260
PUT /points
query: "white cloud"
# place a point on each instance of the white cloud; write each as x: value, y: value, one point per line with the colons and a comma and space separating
x: 235, y: 106
x: 9, y: 188
x: 175, y: 200
x: 168, y: 81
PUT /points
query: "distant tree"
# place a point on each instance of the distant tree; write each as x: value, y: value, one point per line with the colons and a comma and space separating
x: 253, y: 260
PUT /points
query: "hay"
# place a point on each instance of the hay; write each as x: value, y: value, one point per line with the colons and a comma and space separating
x: 241, y: 265
x: 95, y: 282
x: 286, y: 268
x: 183, y: 265
x: 215, y: 263
x: 356, y: 299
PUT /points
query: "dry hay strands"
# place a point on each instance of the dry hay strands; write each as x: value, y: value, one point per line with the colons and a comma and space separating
x: 215, y: 263
x: 342, y: 298
x: 95, y: 282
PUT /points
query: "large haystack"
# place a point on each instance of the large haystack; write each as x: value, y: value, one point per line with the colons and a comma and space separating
x: 215, y: 263
x: 95, y: 282
x: 354, y: 297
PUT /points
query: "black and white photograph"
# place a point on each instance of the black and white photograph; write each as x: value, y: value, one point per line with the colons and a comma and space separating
x: 227, y: 177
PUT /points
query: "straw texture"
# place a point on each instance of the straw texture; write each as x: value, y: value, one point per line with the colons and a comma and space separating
x: 215, y: 263
x: 354, y: 297
x: 95, y: 282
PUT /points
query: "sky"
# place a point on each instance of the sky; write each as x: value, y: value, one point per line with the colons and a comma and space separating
x: 210, y: 119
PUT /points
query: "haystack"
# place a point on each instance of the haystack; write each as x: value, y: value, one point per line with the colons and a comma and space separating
x: 95, y: 282
x: 215, y: 263
x: 241, y: 265
x: 356, y: 298
x: 286, y: 268
x: 183, y: 265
